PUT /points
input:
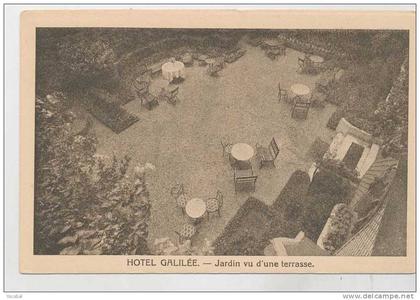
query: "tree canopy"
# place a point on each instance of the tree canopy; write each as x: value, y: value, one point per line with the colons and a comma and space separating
x: 84, y: 203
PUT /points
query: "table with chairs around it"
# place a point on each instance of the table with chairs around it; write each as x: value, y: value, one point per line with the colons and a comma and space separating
x: 173, y: 69
x: 195, y: 209
x: 300, y: 96
x: 310, y: 64
x: 240, y: 156
x: 273, y: 48
x: 152, y: 92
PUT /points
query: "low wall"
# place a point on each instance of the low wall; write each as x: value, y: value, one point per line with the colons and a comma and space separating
x: 311, y: 48
x: 345, y: 127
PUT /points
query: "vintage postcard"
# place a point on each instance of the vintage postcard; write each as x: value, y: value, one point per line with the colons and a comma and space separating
x: 217, y: 141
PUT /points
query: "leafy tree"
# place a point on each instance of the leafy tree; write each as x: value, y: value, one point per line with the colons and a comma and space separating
x: 84, y: 203
x: 316, y: 213
x: 87, y: 59
x: 391, y: 116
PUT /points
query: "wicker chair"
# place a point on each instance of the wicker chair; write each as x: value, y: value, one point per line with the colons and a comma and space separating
x: 187, y: 232
x: 179, y: 195
x: 301, y: 65
x: 226, y: 146
x: 215, y: 204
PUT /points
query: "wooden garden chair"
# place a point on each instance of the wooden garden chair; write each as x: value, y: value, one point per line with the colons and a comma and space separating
x: 282, y: 94
x: 244, y: 180
x: 300, y: 108
x: 267, y: 155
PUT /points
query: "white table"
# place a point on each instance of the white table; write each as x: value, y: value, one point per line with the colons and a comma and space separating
x: 195, y: 208
x: 299, y: 89
x: 242, y: 152
x: 210, y: 61
x: 316, y: 59
x: 172, y: 70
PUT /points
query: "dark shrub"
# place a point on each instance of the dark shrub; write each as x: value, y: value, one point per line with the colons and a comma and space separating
x: 328, y: 182
x: 317, y: 210
x: 101, y: 105
x: 318, y: 149
x: 326, y: 190
x: 294, y: 191
x: 335, y: 119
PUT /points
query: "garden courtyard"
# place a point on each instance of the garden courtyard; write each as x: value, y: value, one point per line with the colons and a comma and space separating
x: 183, y: 141
x: 219, y: 142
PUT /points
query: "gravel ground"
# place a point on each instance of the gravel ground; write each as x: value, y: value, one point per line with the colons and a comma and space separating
x: 183, y: 141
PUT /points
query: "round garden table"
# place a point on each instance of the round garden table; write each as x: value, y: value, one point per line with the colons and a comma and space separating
x: 172, y: 70
x: 195, y: 208
x: 242, y: 152
x: 299, y: 89
x: 210, y: 61
x: 316, y: 59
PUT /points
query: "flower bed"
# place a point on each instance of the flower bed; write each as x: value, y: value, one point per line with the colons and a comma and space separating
x: 109, y: 112
x: 338, y: 228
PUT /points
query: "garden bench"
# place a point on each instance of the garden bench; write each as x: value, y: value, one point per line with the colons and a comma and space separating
x: 156, y: 68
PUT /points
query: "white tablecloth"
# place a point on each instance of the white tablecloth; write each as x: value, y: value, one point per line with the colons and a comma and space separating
x: 172, y: 70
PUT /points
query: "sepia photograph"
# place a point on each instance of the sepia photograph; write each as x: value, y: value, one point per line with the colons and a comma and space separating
x: 221, y: 142
x: 216, y: 147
